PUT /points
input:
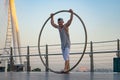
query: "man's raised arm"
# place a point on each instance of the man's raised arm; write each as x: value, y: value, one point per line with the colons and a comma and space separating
x: 52, y: 21
x: 71, y: 18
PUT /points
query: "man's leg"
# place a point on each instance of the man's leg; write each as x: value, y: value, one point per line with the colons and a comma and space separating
x: 67, y: 65
x: 66, y: 58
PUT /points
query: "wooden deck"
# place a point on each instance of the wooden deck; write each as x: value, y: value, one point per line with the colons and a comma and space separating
x: 54, y: 76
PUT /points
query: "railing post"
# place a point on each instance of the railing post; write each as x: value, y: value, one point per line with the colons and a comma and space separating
x: 46, y: 57
x: 91, y: 58
x: 11, y: 60
x: 28, y: 59
x: 118, y: 48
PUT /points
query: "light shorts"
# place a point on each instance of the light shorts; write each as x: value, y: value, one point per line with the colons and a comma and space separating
x: 65, y: 53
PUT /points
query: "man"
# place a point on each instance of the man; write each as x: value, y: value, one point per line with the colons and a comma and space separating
x: 64, y: 36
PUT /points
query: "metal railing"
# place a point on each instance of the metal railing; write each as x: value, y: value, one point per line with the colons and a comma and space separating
x: 98, y: 57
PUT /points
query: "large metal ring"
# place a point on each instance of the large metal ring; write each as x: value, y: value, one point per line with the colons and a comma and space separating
x: 85, y: 45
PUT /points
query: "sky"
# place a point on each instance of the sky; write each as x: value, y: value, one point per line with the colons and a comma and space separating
x: 101, y: 17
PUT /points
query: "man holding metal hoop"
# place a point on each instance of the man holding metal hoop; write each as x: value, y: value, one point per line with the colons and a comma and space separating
x: 64, y: 36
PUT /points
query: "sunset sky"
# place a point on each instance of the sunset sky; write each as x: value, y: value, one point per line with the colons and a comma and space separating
x: 101, y: 17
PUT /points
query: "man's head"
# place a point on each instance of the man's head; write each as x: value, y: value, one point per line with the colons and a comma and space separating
x: 60, y: 21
